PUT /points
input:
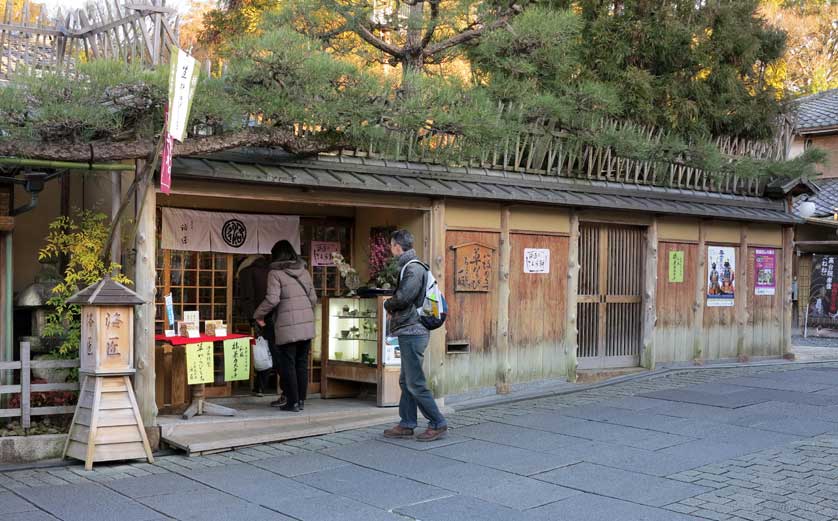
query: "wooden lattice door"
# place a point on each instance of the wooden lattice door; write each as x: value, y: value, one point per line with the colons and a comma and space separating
x: 610, y: 302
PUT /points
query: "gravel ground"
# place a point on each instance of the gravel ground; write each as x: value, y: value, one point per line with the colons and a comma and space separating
x: 814, y: 341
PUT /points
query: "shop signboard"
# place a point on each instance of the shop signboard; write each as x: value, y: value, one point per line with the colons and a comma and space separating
x: 536, y: 260
x: 199, y: 363
x: 321, y: 252
x: 236, y: 359
x: 721, y: 276
x: 676, y: 266
x: 391, y: 352
x: 765, y: 271
x: 823, y: 292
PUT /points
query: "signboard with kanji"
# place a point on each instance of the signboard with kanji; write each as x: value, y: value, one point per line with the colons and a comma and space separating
x: 236, y: 359
x: 474, y: 264
x: 199, y: 363
x: 321, y: 253
x: 536, y: 260
x: 676, y: 266
x: 106, y: 337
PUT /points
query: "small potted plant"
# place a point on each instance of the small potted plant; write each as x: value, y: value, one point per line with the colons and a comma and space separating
x: 350, y: 276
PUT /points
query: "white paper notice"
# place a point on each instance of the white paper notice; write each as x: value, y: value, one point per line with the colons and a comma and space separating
x: 536, y: 260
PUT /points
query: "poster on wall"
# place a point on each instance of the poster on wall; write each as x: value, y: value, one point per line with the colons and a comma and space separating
x: 392, y: 353
x: 721, y: 274
x: 676, y: 266
x: 536, y: 260
x: 823, y: 293
x: 321, y: 253
x: 765, y: 271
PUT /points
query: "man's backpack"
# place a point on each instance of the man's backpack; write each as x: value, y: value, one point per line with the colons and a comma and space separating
x: 434, y: 308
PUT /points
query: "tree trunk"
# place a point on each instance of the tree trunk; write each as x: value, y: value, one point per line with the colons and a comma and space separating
x: 503, y: 384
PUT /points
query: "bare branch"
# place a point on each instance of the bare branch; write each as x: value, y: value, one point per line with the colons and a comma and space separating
x: 472, y: 34
x: 377, y: 42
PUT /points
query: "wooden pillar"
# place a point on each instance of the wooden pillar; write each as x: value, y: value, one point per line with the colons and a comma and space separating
x: 741, y: 295
x: 700, y: 295
x: 116, y: 202
x: 650, y: 301
x: 571, y: 342
x: 436, y: 360
x: 504, y: 375
x: 144, y: 281
x: 788, y: 260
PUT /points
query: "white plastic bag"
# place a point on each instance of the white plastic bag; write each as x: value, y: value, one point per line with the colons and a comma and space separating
x: 262, y: 360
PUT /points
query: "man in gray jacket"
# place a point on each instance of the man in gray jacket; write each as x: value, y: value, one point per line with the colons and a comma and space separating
x: 413, y: 341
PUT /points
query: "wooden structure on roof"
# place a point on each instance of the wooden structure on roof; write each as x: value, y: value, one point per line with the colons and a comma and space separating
x: 131, y: 30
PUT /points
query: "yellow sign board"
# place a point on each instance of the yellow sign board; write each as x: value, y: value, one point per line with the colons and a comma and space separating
x: 676, y: 266
x: 236, y: 359
x: 199, y: 363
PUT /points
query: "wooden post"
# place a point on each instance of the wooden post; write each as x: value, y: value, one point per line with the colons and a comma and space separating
x: 571, y: 342
x: 504, y: 375
x: 650, y: 315
x: 788, y: 261
x: 116, y: 202
x: 741, y: 295
x: 144, y: 280
x: 436, y: 362
x: 700, y: 295
x: 25, y: 387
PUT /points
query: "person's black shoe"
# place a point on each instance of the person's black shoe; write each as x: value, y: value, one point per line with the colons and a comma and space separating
x: 281, y: 402
x: 290, y: 408
x: 302, y: 405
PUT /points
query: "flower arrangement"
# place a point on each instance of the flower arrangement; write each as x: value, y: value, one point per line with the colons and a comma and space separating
x: 383, y: 266
x: 349, y: 274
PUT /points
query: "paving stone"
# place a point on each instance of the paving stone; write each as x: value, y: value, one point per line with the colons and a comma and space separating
x: 253, y: 484
x: 389, y: 458
x: 212, y: 504
x: 31, y: 515
x: 155, y: 485
x: 649, y: 462
x: 775, y: 383
x: 589, y: 507
x: 464, y: 508
x: 328, y: 507
x: 797, y: 426
x: 503, y: 457
x: 465, y: 478
x: 621, y: 484
x: 299, y: 464
x: 726, y: 400
x: 87, y: 502
x: 452, y: 438
x: 10, y: 504
x: 522, y: 437
x: 373, y: 487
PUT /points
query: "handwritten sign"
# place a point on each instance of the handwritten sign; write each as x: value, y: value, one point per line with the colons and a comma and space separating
x: 236, y: 359
x: 676, y: 266
x: 474, y: 267
x: 321, y: 252
x: 199, y: 363
x: 536, y: 260
x: 183, y: 78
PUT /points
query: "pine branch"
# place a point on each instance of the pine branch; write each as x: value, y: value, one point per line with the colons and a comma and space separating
x: 377, y: 42
x: 472, y: 34
x: 141, y: 148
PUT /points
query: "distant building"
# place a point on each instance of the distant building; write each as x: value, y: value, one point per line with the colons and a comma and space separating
x: 817, y: 125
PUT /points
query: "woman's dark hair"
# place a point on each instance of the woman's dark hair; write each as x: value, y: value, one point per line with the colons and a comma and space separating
x: 283, y: 251
x: 403, y: 238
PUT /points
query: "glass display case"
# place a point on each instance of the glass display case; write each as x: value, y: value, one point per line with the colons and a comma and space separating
x: 356, y: 350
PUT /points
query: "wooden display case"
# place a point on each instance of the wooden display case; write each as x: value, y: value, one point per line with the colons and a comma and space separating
x: 356, y: 350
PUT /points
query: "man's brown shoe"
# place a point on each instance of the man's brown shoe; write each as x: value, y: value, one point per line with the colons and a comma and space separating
x: 432, y: 434
x: 398, y: 432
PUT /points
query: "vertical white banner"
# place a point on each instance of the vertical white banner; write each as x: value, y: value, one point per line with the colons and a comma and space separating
x: 183, y: 77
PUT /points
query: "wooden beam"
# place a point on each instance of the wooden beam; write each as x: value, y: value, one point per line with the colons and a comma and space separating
x: 503, y: 383
x: 144, y: 283
x: 571, y: 342
x: 788, y: 261
x: 7, y: 223
x: 700, y: 294
x: 650, y: 315
x: 741, y: 295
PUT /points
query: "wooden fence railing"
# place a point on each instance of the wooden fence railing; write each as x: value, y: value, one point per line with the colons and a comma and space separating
x: 25, y: 388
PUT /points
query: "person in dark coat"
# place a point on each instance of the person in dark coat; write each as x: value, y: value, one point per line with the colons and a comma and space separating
x: 403, y: 322
x: 253, y: 284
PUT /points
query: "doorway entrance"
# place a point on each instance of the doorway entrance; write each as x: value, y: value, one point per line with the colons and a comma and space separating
x: 610, y: 302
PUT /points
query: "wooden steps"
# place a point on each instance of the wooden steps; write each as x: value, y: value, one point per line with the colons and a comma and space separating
x: 203, y: 438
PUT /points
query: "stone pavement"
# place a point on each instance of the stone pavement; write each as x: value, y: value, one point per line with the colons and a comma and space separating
x: 752, y: 443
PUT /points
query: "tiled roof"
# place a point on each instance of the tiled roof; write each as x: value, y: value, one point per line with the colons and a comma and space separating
x: 817, y: 111
x: 826, y: 200
x: 378, y: 176
x: 106, y: 292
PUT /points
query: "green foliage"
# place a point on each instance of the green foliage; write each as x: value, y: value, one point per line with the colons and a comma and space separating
x: 80, y: 240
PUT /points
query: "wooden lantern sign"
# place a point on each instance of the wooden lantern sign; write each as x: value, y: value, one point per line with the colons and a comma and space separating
x: 107, y: 425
